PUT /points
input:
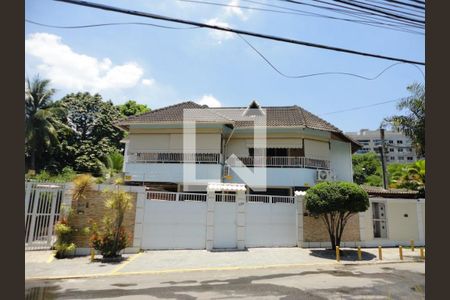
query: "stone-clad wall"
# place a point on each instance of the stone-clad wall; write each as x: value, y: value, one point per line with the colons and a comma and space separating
x: 315, y: 230
x: 92, y: 209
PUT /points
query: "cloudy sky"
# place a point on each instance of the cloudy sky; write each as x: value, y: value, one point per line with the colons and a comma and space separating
x: 159, y: 66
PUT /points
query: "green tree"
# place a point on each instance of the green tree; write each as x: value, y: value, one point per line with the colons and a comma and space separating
x: 409, y: 176
x: 131, y: 108
x: 412, y: 124
x: 40, y: 122
x: 335, y: 203
x: 367, y: 169
x: 95, y: 136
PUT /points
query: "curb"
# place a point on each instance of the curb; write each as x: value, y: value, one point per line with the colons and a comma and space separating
x: 231, y: 268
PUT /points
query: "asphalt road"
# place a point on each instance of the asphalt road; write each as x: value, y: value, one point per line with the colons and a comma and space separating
x: 376, y: 281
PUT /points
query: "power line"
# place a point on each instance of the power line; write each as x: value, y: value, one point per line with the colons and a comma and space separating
x: 107, y: 24
x: 238, y: 31
x: 245, y: 40
x: 291, y: 11
x: 324, y: 73
x: 360, y: 107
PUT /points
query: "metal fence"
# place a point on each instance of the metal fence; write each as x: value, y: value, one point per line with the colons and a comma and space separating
x: 42, y: 209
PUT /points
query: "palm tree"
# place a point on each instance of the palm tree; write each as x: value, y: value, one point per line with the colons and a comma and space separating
x: 40, y: 131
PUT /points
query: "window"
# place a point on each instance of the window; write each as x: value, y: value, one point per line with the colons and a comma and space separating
x: 400, y: 149
x: 409, y: 158
x: 391, y: 141
x: 392, y: 158
x: 399, y: 142
x: 379, y: 220
x: 391, y: 149
x: 409, y: 149
x: 401, y: 158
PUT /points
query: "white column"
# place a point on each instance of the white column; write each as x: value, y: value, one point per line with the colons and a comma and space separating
x: 420, y: 223
x: 241, y: 224
x: 210, y: 201
x: 139, y: 218
x: 362, y: 226
x: 299, y: 197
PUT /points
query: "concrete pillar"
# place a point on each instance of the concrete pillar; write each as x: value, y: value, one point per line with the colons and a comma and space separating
x: 420, y: 223
x: 210, y: 201
x: 299, y: 197
x: 141, y: 196
x: 362, y: 226
x: 241, y: 224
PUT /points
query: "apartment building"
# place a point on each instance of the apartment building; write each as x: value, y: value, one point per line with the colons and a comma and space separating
x: 399, y: 147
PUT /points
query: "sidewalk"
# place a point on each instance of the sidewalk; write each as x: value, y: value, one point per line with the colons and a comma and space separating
x: 40, y: 264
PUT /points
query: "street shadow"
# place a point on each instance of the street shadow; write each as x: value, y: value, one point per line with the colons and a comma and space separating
x: 346, y: 255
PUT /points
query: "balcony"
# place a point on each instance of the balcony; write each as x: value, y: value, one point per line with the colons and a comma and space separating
x: 168, y: 166
x: 171, y: 158
x: 281, y: 162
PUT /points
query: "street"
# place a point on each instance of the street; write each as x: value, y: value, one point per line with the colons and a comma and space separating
x: 365, y: 281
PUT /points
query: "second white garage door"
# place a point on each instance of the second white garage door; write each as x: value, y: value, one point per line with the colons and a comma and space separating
x: 271, y: 224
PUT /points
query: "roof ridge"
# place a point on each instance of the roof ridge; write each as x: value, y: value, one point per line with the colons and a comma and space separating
x: 162, y: 109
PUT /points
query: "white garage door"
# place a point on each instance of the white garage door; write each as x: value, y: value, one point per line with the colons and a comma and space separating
x: 174, y: 224
x: 271, y: 221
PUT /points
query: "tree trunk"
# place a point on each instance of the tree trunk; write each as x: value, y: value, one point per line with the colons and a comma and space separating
x: 33, y: 160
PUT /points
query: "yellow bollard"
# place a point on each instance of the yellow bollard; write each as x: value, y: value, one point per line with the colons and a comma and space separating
x: 92, y: 254
x: 338, y: 254
x: 412, y: 245
x: 400, y: 251
x: 380, y: 254
x: 359, y: 253
x: 422, y: 254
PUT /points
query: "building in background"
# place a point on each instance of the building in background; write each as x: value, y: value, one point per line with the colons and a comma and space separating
x: 399, y: 146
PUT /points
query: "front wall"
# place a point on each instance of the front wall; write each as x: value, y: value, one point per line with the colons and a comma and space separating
x: 283, y: 177
x: 401, y: 228
x: 314, y: 230
x: 93, y: 210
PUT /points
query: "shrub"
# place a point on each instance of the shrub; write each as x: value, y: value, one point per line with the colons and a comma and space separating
x: 112, y: 238
x: 64, y: 245
x: 335, y: 203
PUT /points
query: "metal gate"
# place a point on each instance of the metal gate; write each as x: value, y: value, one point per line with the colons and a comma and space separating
x: 42, y: 208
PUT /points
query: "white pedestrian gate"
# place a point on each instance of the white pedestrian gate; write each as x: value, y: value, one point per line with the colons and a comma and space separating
x: 42, y: 208
x: 271, y: 221
x: 225, y: 221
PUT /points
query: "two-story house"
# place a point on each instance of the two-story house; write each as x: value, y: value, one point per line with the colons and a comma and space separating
x: 301, y: 149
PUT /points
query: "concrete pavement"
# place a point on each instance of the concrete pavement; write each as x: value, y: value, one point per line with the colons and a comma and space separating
x: 41, y: 265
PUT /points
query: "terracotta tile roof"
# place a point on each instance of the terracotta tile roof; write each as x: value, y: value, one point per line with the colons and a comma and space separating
x: 277, y: 116
x: 390, y: 193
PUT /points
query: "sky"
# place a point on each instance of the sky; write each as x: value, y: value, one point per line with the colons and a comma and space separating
x: 160, y: 67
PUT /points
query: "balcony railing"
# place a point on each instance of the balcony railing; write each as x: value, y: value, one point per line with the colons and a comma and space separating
x: 166, y: 157
x: 281, y: 161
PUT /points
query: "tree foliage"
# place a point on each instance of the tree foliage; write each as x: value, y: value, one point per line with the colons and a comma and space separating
x: 367, y: 169
x: 335, y: 203
x: 131, y: 108
x: 408, y: 176
x: 40, y: 122
x: 413, y: 123
x: 94, y: 134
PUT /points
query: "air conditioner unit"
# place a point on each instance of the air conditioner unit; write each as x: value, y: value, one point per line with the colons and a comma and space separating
x: 324, y: 175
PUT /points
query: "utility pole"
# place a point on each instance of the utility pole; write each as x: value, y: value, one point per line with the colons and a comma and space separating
x: 383, y: 158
